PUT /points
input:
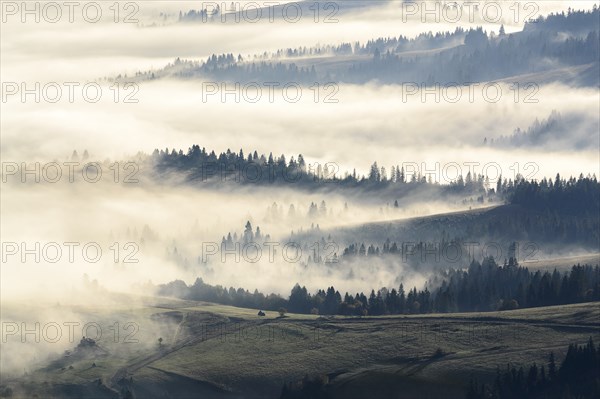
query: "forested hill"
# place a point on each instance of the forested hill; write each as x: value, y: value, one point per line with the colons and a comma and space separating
x: 548, y: 217
x: 556, y: 213
x: 557, y: 42
x: 201, y: 168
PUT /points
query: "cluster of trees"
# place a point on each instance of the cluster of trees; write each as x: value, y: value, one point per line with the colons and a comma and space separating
x: 408, y: 251
x: 579, y: 196
x: 572, y: 21
x: 222, y: 60
x: 536, y: 134
x: 424, y: 41
x: 200, y: 165
x: 194, y: 15
x: 247, y: 236
x: 554, y: 132
x: 486, y: 58
x: 482, y: 287
x: 200, y: 291
x: 577, y: 377
x: 254, y: 168
x: 202, y: 15
x: 259, y: 72
x: 327, y: 49
x: 330, y: 302
x: 397, y: 174
x: 486, y: 287
x: 405, y: 250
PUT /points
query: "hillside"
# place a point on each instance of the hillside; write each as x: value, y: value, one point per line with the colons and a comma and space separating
x: 226, y: 352
x: 496, y: 225
x: 561, y: 48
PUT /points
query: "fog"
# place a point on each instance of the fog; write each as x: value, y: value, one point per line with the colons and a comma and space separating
x: 148, y: 224
x: 156, y: 221
x: 366, y: 123
x: 106, y: 48
x: 164, y: 227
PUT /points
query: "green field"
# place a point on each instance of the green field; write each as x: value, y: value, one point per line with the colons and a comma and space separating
x: 217, y: 351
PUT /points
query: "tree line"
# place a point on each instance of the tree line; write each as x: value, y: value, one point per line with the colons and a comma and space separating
x: 484, y: 286
x: 199, y: 165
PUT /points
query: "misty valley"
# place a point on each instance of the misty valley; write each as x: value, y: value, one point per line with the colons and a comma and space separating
x: 300, y: 199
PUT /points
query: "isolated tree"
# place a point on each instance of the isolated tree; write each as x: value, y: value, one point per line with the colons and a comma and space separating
x: 374, y: 174
x: 248, y: 235
x: 323, y: 208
